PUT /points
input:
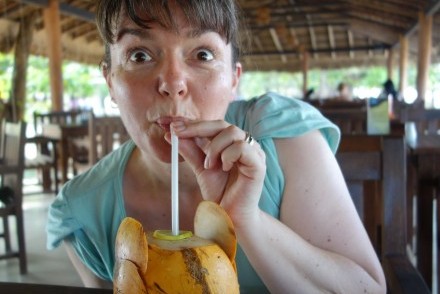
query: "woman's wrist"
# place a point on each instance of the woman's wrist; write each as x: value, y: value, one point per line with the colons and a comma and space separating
x: 244, y: 223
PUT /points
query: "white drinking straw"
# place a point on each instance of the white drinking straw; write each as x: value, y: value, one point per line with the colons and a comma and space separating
x: 174, y: 184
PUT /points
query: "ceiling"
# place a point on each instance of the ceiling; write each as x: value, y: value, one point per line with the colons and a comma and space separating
x: 338, y: 33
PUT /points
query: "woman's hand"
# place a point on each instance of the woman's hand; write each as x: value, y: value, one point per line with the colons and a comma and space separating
x: 229, y: 170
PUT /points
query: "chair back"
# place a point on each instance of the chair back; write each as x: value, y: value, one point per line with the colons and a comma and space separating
x: 374, y: 168
x: 349, y: 121
x: 106, y: 133
x: 11, y: 175
x: 427, y: 121
x: 12, y: 142
x: 58, y: 117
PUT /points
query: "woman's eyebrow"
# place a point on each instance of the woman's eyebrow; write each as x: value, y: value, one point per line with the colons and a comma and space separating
x: 141, y: 33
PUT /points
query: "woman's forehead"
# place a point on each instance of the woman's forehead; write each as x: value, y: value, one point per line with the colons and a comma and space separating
x: 181, y: 26
x: 172, y: 16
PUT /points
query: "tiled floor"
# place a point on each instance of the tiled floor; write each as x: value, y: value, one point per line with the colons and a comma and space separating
x: 44, y: 267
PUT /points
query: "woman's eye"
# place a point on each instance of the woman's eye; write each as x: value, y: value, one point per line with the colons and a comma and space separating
x: 139, y: 56
x: 205, y: 55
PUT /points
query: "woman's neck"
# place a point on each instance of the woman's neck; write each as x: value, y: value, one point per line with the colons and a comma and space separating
x: 147, y: 192
x: 148, y: 173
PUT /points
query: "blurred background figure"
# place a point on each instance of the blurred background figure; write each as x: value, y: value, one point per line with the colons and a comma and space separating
x: 344, y: 92
x: 389, y: 89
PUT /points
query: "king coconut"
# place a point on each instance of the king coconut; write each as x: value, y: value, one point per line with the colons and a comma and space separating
x: 160, y: 262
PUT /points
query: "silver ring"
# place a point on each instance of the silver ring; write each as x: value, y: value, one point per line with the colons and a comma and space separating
x: 249, y: 139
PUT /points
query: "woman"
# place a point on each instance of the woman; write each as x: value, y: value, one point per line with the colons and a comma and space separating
x: 175, y: 67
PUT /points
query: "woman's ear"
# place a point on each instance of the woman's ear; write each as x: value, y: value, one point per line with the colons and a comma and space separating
x: 236, y: 76
x: 105, y: 70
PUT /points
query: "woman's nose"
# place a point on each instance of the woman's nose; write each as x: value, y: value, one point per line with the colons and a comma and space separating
x: 172, y: 80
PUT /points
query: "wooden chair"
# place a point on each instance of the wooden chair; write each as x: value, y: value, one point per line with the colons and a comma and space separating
x: 11, y: 174
x: 58, y: 117
x: 45, y: 160
x: 47, y: 143
x: 349, y: 121
x: 423, y: 126
x: 427, y: 121
x: 105, y: 135
x: 374, y: 168
x: 338, y: 104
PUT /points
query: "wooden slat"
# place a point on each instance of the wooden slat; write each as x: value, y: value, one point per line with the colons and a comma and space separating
x: 374, y: 168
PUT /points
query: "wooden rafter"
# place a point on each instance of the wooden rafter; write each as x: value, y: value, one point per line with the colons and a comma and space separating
x: 331, y: 38
x: 337, y: 30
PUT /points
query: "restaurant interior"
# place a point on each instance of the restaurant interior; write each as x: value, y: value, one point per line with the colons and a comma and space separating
x: 389, y: 151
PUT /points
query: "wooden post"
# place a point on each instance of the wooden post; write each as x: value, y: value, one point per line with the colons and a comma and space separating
x: 403, y: 73
x: 305, y: 67
x: 390, y: 64
x: 424, y: 56
x: 21, y: 55
x: 53, y: 30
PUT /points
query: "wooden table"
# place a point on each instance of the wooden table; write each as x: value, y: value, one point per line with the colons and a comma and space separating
x: 19, y: 288
x: 424, y: 158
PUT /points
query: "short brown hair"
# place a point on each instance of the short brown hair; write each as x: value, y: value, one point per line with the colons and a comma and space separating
x: 221, y: 16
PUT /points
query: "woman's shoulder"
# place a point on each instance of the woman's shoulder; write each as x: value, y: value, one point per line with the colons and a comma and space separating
x: 106, y: 172
x: 91, y: 200
x: 275, y: 116
x: 268, y: 103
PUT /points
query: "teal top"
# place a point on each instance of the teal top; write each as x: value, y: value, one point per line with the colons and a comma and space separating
x: 90, y: 207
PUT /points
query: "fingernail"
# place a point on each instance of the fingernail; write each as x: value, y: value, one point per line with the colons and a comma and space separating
x: 178, y: 126
x: 206, y: 163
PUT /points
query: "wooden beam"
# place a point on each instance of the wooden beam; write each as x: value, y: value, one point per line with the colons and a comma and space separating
x: 324, y: 50
x: 65, y: 9
x: 277, y: 43
x: 312, y: 37
x: 259, y: 45
x: 434, y: 7
x: 19, y: 77
x: 296, y: 65
x: 390, y: 66
x: 403, y: 68
x: 350, y: 43
x: 425, y: 48
x: 76, y: 12
x: 374, y: 31
x: 305, y: 68
x: 331, y: 39
x: 41, y: 3
x: 51, y: 16
x: 294, y: 37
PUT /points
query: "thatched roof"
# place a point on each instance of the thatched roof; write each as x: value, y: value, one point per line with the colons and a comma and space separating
x: 336, y: 33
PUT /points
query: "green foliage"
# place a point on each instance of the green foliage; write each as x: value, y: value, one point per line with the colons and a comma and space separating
x: 79, y: 81
x: 256, y: 83
x: 85, y: 81
x: 6, y: 64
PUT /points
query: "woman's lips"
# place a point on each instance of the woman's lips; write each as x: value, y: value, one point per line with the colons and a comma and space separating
x: 164, y: 122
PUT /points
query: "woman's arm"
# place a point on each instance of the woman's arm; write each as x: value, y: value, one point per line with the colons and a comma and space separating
x: 88, y: 278
x: 320, y: 245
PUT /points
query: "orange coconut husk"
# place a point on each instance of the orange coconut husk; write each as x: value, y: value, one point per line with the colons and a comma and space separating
x: 202, y: 263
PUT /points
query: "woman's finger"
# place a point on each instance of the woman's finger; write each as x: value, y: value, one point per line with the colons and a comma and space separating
x: 249, y: 158
x: 191, y: 151
x: 201, y: 129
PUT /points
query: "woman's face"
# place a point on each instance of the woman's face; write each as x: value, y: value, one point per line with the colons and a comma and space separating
x: 158, y: 76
